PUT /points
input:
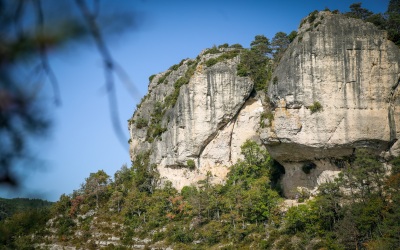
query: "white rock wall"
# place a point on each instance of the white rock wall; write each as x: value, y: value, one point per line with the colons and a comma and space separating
x: 352, y: 70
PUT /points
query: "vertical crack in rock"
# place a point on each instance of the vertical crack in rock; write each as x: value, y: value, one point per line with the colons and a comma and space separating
x: 220, y: 127
x: 234, y: 120
x: 391, y: 113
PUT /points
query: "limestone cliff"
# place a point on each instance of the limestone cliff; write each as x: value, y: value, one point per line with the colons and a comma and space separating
x: 201, y: 130
x: 335, y: 89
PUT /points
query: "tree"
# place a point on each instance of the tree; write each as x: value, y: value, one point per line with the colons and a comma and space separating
x: 96, y: 185
x: 255, y: 63
x: 356, y: 11
x: 292, y: 35
x: 279, y: 43
x: 393, y: 21
x: 116, y: 200
x: 146, y: 176
x: 123, y: 179
x: 261, y: 44
x: 378, y: 20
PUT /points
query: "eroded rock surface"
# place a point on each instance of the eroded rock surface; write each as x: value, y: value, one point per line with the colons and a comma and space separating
x: 350, y: 69
x: 334, y: 90
x: 204, y: 125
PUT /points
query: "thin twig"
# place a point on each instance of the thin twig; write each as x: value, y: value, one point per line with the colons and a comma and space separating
x: 43, y: 55
x: 124, y: 78
x: 109, y: 68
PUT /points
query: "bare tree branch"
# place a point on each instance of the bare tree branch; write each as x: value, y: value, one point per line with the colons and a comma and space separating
x: 43, y: 55
x: 124, y: 78
x: 109, y: 68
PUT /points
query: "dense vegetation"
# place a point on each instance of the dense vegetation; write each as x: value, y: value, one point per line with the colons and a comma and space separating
x: 389, y: 21
x: 19, y: 218
x: 8, y: 207
x: 358, y: 210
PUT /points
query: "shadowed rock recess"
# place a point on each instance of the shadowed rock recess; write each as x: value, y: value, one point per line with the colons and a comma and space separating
x: 334, y: 90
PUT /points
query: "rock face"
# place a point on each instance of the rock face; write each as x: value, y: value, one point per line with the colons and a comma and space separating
x: 334, y: 90
x: 351, y: 70
x: 204, y: 126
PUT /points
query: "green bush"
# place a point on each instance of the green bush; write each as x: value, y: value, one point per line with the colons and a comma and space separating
x: 211, y: 62
x: 225, y: 56
x: 266, y: 115
x: 213, y: 50
x: 236, y: 46
x: 190, y: 164
x: 158, y: 130
x: 228, y: 55
x: 181, y: 81
x: 225, y: 45
x: 141, y: 123
x: 242, y: 71
x: 316, y: 107
x: 162, y: 79
x: 174, y: 67
x: 312, y: 16
x: 151, y: 78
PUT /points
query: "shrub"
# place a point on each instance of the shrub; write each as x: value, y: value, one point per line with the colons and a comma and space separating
x: 312, y: 16
x: 228, y: 55
x: 316, y: 24
x: 190, y: 164
x: 225, y: 56
x: 141, y: 123
x: 266, y: 115
x: 242, y: 71
x: 316, y: 107
x: 158, y: 130
x: 162, y: 79
x: 225, y: 45
x: 211, y: 62
x: 213, y: 50
x: 174, y: 67
x: 236, y: 46
x: 151, y: 78
x: 171, y: 99
x: 181, y: 81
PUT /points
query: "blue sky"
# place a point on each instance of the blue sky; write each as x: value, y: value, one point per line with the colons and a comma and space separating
x: 82, y: 139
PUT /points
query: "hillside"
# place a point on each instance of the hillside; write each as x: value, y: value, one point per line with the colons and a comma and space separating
x: 8, y: 207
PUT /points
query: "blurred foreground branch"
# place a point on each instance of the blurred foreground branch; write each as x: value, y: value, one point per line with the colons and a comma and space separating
x: 29, y: 31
